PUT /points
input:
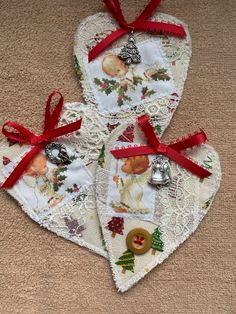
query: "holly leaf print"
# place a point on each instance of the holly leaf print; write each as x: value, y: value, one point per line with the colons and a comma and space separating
x: 161, y: 75
x: 158, y: 129
x: 69, y: 190
x: 146, y: 92
x: 78, y: 69
x: 137, y: 80
x: 101, y: 156
x: 61, y: 178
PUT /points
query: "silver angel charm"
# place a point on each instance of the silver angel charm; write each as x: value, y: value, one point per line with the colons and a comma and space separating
x: 129, y: 53
x: 160, y: 171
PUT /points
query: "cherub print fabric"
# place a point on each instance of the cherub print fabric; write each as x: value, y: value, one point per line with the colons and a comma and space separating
x: 118, y: 86
x: 143, y: 224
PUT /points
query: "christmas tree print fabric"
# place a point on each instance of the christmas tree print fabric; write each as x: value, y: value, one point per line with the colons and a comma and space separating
x: 138, y: 240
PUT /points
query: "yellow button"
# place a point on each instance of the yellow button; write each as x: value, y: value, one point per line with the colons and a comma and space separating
x: 139, y: 241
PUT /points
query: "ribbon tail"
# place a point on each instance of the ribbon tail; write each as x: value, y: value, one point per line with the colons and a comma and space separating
x: 133, y: 151
x: 168, y: 28
x: 187, y: 163
x: 148, y: 130
x: 115, y: 9
x: 66, y: 129
x: 23, y: 135
x: 51, y: 119
x: 189, y: 142
x: 149, y: 10
x: 104, y: 43
x: 20, y: 168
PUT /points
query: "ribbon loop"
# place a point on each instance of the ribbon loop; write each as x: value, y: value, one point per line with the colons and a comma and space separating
x: 140, y: 23
x: 37, y: 141
x: 171, y: 151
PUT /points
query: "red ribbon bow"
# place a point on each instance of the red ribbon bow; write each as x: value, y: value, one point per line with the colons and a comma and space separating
x: 37, y: 141
x: 140, y: 23
x: 171, y: 151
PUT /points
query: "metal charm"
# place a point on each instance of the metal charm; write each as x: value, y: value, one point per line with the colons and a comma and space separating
x: 129, y: 53
x: 57, y: 153
x: 160, y: 171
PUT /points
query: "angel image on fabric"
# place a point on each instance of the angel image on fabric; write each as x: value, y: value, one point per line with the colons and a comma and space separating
x: 115, y: 82
x: 39, y: 177
x: 128, y: 78
x: 132, y: 185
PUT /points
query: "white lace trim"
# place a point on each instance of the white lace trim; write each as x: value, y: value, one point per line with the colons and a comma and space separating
x: 175, y: 49
x: 178, y: 218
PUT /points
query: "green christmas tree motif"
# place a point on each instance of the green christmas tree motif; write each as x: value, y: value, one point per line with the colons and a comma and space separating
x: 207, y: 163
x: 101, y: 157
x: 157, y: 244
x: 126, y: 261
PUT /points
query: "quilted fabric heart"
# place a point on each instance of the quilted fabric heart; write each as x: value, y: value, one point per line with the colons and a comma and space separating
x: 143, y: 225
x: 118, y: 91
x: 61, y: 198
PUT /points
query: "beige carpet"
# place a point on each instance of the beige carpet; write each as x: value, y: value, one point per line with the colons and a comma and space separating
x: 42, y: 273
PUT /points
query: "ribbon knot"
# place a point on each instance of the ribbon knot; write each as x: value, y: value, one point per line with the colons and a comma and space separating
x: 172, y: 151
x: 141, y: 23
x: 38, y: 139
x: 23, y: 135
x: 161, y: 148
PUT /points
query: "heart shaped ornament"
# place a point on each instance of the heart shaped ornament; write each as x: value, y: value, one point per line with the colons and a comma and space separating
x: 119, y: 91
x: 142, y: 224
x: 61, y: 198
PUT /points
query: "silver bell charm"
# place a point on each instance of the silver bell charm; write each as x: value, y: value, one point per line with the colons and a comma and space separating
x: 160, y: 171
x: 129, y: 53
x: 57, y: 153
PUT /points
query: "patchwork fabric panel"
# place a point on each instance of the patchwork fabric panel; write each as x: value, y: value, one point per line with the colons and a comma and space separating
x: 137, y: 243
x: 118, y: 91
x: 45, y: 186
x: 62, y: 198
x: 128, y: 192
x: 117, y: 86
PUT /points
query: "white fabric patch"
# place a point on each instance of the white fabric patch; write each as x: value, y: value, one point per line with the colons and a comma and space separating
x: 118, y: 87
x: 129, y: 194
x: 44, y: 186
x: 178, y: 210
